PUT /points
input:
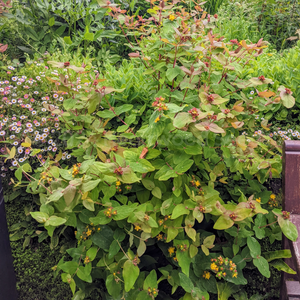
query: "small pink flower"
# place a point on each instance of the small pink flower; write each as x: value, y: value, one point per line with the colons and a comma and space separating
x: 26, y: 96
x: 8, y: 72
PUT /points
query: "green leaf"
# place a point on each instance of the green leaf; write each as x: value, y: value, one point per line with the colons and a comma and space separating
x: 182, y: 119
x: 191, y: 232
x: 280, y: 265
x: 156, y: 192
x: 172, y: 233
x: 179, y: 210
x: 272, y: 255
x: 89, y: 36
x: 68, y: 40
x: 69, y: 267
x: 18, y: 173
x: 262, y: 265
x: 40, y: 216
x: 186, y: 283
x: 193, y: 250
x: 150, y: 281
x: 223, y: 223
x: 254, y: 246
x: 173, y: 72
x: 113, y: 249
x: 84, y: 273
x: 91, y: 253
x: 184, y: 166
x: 112, y: 286
x: 90, y: 185
x: 287, y: 100
x: 148, y: 184
x: 103, y: 238
x: 122, y: 212
x: 51, y: 22
x: 130, y: 274
x: 89, y: 204
x: 288, y: 228
x: 55, y: 221
x: 124, y: 108
x: 69, y: 194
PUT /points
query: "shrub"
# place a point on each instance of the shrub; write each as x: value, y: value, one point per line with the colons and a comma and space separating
x: 148, y: 196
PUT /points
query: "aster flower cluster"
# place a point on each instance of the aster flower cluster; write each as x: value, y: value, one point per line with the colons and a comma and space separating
x: 22, y: 114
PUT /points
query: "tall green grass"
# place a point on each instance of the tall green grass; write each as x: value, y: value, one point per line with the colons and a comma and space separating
x: 212, y: 6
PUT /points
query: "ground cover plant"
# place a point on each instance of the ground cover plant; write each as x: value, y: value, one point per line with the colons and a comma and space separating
x: 162, y: 195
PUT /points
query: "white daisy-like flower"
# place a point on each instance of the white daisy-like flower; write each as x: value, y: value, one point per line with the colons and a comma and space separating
x: 15, y: 143
x: 290, y: 131
x: 2, y: 133
x: 54, y: 149
x: 20, y: 150
x: 12, y: 136
x: 21, y: 159
x: 252, y: 92
x: 14, y: 163
x: 53, y: 144
x: 68, y: 156
x: 33, y: 112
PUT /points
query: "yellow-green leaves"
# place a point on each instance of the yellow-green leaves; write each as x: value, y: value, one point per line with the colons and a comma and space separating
x: 130, y: 274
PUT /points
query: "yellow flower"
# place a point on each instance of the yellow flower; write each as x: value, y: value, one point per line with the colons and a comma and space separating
x: 89, y: 232
x: 86, y: 260
x: 175, y: 259
x: 171, y: 250
x: 206, y: 275
x: 258, y: 200
x: 273, y: 197
x: 159, y: 237
x: 171, y: 17
x: 157, y: 119
x: 197, y: 183
x: 234, y: 275
x: 118, y: 183
x: 137, y: 227
x: 214, y: 267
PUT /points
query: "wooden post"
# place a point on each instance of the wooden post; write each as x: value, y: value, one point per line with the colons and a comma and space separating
x: 291, y: 177
x: 7, y: 275
x: 290, y: 287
